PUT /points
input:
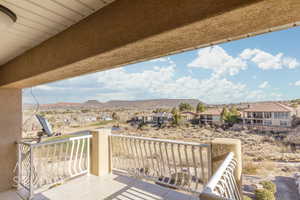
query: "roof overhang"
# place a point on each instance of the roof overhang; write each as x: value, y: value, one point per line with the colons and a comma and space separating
x: 127, y: 32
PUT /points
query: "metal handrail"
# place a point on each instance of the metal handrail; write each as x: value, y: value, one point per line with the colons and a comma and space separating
x: 175, y: 164
x: 223, y: 184
x: 36, y: 144
x: 161, y: 140
x: 42, y: 165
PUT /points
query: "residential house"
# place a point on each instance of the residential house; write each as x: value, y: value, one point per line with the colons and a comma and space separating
x: 268, y: 114
x: 189, y: 116
x: 211, y: 116
x: 153, y: 118
x: 161, y: 118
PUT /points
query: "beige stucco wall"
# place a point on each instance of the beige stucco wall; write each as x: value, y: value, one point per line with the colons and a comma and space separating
x: 10, y: 131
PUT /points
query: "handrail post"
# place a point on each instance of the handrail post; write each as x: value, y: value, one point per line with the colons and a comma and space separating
x: 19, y: 166
x: 31, y: 189
x: 88, y: 155
x: 101, y: 159
x: 209, y: 160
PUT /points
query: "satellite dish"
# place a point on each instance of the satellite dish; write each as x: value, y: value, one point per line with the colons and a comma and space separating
x: 47, y: 128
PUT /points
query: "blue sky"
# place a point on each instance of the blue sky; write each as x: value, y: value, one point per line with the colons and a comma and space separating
x: 265, y: 67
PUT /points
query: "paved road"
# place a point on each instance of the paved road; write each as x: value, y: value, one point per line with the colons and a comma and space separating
x: 286, y: 188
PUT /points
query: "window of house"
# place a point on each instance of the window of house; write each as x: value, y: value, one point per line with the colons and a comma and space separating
x: 257, y: 121
x: 267, y: 115
x: 257, y: 115
x: 283, y: 123
x: 249, y: 114
x: 268, y: 122
x: 281, y: 115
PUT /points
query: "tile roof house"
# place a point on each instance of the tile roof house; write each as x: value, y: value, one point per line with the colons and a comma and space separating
x: 211, y: 116
x: 189, y: 116
x: 268, y: 114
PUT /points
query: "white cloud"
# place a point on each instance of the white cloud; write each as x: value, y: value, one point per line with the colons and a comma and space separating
x: 259, y: 95
x: 297, y: 83
x: 217, y: 59
x: 264, y: 84
x: 265, y: 60
x: 103, y: 97
x: 290, y: 63
x: 159, y: 60
x: 119, y: 79
x: 48, y: 87
x: 164, y: 81
x: 163, y: 59
x: 161, y: 82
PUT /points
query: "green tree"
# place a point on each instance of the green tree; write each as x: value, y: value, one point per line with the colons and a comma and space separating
x: 176, y: 116
x: 174, y: 111
x: 234, y: 111
x: 200, y: 108
x: 176, y: 119
x: 185, y: 107
x: 224, y: 114
x: 230, y: 116
x: 160, y: 110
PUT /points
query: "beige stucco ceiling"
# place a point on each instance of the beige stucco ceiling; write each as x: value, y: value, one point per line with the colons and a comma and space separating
x: 129, y: 31
x: 39, y: 20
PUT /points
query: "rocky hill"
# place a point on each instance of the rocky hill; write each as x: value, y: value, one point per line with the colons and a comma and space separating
x: 153, y: 103
x: 139, y: 104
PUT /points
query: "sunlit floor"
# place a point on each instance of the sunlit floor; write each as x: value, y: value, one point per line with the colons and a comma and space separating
x: 113, y: 186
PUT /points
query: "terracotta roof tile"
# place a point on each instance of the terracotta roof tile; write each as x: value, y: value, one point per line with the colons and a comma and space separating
x: 268, y: 107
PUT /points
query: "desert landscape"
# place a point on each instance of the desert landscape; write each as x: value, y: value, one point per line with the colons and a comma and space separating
x: 267, y: 155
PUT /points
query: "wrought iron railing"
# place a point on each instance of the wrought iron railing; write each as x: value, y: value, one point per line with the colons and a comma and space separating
x: 42, y: 165
x: 223, y: 184
x: 174, y: 164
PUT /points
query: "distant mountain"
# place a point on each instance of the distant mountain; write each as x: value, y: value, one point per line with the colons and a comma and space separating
x: 60, y: 105
x: 141, y: 104
x: 152, y: 103
x: 92, y: 103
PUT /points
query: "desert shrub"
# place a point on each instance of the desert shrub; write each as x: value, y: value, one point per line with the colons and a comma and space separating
x: 246, y: 198
x: 250, y: 168
x: 269, y: 185
x: 268, y: 139
x: 263, y: 194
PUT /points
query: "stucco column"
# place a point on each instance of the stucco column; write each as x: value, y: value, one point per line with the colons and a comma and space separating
x: 220, y: 148
x: 10, y: 132
x: 100, y: 152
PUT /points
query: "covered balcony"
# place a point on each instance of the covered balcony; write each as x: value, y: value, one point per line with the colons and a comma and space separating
x: 46, y: 41
x: 101, y: 165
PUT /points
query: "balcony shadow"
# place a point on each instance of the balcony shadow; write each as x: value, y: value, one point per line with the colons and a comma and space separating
x: 142, y: 190
x: 24, y: 195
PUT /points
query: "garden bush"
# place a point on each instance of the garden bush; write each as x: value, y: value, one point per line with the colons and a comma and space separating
x: 269, y: 185
x: 246, y: 198
x: 263, y: 194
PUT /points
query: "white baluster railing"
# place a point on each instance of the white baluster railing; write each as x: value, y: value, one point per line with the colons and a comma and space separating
x: 174, y: 164
x: 223, y: 184
x: 42, y: 165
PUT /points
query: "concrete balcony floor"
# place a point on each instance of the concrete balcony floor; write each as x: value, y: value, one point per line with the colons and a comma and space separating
x: 114, y: 186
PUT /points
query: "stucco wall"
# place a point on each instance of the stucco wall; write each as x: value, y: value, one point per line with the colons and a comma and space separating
x: 10, y: 131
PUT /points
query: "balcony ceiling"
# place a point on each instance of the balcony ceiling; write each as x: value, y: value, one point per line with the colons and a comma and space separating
x: 124, y: 32
x: 39, y: 20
